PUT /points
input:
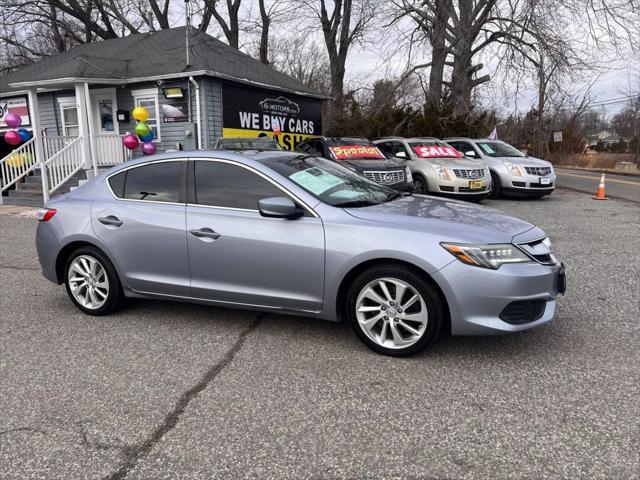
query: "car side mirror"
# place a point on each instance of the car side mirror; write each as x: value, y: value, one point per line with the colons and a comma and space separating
x: 470, y: 153
x: 402, y: 155
x: 279, y: 207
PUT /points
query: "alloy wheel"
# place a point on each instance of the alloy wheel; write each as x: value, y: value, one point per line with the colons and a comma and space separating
x: 88, y: 282
x: 391, y: 313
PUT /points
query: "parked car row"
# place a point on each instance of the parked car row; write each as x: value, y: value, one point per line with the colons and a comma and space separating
x: 470, y: 169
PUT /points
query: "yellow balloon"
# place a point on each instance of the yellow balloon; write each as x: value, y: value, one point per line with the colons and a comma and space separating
x: 15, y: 160
x: 140, y: 113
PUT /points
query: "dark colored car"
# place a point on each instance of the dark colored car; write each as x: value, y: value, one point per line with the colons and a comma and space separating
x: 364, y: 157
x: 247, y: 143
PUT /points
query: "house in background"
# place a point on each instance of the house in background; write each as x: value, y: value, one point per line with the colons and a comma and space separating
x: 606, y: 137
x: 77, y: 105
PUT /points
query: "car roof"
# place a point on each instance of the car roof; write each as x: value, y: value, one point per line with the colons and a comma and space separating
x: 246, y: 139
x: 408, y: 139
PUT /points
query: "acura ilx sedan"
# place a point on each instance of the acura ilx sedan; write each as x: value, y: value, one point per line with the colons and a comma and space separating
x: 294, y: 233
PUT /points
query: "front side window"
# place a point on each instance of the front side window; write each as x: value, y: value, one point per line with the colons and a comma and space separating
x: 156, y: 182
x: 220, y: 184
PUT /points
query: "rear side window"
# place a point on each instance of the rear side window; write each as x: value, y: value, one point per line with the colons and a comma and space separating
x: 387, y: 148
x: 221, y: 184
x: 117, y: 184
x: 156, y: 182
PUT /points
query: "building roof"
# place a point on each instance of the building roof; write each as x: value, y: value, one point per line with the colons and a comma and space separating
x: 151, y: 56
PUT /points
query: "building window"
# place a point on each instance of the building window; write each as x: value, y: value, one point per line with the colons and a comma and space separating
x: 69, y: 116
x: 149, y: 99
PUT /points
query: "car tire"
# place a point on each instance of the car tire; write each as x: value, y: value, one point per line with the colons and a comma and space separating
x: 420, y: 185
x: 414, y: 323
x: 496, y: 189
x: 92, y: 282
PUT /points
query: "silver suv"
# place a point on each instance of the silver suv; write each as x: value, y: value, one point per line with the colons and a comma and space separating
x: 437, y: 168
x: 512, y: 172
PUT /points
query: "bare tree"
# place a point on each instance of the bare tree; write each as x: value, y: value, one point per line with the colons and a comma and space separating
x: 230, y: 24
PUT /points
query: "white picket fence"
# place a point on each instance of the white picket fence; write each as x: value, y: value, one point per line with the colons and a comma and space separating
x: 109, y: 150
x: 17, y: 164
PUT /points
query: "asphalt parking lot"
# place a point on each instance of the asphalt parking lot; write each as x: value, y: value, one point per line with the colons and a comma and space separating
x: 163, y: 390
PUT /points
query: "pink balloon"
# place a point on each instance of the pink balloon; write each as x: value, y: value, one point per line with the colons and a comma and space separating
x: 12, y: 137
x: 130, y: 141
x: 12, y: 120
x: 148, y: 148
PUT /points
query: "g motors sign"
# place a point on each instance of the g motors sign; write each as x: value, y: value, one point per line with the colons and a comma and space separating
x: 254, y: 112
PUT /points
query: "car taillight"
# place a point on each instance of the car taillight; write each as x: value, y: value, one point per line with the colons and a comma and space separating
x: 46, y: 214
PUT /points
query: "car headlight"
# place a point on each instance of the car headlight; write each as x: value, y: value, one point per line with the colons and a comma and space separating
x: 409, y: 176
x: 515, y: 170
x: 442, y: 172
x: 486, y: 256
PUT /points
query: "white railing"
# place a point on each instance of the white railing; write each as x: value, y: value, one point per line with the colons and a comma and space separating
x: 109, y: 150
x: 52, y: 144
x: 17, y: 164
x: 64, y: 164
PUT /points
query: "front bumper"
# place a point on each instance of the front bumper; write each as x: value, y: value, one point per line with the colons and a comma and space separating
x: 478, y: 296
x: 527, y: 185
x: 461, y: 187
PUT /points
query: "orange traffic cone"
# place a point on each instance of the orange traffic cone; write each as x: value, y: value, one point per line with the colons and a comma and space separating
x: 600, y: 194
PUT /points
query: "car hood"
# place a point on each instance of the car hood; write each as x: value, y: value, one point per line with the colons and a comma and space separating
x: 527, y: 161
x: 467, y: 163
x: 370, y: 164
x: 450, y: 219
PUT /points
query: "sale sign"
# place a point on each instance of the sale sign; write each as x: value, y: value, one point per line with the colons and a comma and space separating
x: 356, y: 151
x: 436, y: 151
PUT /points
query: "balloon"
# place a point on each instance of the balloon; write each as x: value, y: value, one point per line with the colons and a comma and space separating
x: 148, y: 138
x: 12, y: 120
x: 12, y: 137
x: 142, y: 129
x: 148, y: 148
x: 24, y: 134
x: 130, y: 141
x: 140, y: 113
x: 15, y: 160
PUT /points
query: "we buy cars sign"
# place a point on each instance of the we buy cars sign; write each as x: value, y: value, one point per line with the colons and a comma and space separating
x: 436, y: 151
x: 356, y: 151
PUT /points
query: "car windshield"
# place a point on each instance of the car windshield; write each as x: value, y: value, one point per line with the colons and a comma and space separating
x: 248, y: 144
x: 433, y: 149
x: 499, y: 149
x: 331, y: 183
x: 354, y: 149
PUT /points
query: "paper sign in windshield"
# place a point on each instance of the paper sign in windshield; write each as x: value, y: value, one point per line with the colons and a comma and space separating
x: 356, y: 151
x: 487, y: 148
x: 436, y: 151
x: 315, y: 180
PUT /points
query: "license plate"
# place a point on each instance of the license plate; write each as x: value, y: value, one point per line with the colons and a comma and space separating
x: 476, y: 185
x: 545, y: 181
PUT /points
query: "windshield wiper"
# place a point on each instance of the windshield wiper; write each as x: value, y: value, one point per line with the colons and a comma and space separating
x: 355, y: 203
x: 393, y: 196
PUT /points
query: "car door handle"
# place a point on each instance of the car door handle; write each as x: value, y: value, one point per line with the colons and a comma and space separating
x: 110, y: 220
x: 205, y: 233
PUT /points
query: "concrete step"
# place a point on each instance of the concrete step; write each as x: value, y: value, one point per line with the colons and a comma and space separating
x: 25, y: 194
x: 28, y: 202
x: 32, y: 187
x: 33, y: 179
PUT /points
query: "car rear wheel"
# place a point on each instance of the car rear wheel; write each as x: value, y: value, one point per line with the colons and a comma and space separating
x: 92, y: 282
x: 496, y: 189
x: 394, y: 311
x: 419, y: 184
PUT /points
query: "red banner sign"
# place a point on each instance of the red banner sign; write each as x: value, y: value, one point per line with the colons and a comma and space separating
x: 436, y: 151
x: 356, y: 151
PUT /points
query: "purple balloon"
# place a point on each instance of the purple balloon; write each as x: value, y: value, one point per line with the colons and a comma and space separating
x: 148, y: 148
x: 12, y: 120
x: 12, y: 137
x: 131, y: 142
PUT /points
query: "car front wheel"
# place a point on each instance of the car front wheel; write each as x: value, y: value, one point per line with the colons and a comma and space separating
x: 496, y: 189
x: 419, y: 184
x: 92, y: 282
x: 394, y: 310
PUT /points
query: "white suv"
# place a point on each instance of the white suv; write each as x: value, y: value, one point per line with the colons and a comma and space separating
x: 512, y: 172
x: 437, y: 168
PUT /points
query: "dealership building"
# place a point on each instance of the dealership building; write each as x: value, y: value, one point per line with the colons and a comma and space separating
x: 77, y: 104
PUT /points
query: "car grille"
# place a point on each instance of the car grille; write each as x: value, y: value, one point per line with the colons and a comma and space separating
x: 475, y: 173
x: 385, y: 177
x: 523, y: 311
x: 540, y: 251
x: 539, y: 171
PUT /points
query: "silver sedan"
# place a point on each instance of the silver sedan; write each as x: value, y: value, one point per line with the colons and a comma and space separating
x: 292, y: 233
